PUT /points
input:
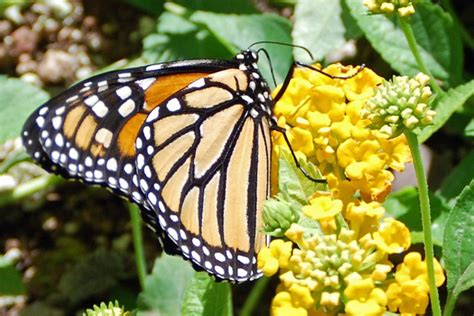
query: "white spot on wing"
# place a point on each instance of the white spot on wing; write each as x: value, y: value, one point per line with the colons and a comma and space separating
x: 124, y: 92
x: 104, y: 136
x: 100, y: 109
x: 91, y: 100
x: 198, y: 83
x: 57, y: 120
x: 112, y: 164
x: 145, y: 83
x: 154, y: 67
x: 127, y: 107
x: 40, y: 121
x: 173, y: 105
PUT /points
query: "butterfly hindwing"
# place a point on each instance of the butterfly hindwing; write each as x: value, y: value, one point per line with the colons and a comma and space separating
x: 206, y: 151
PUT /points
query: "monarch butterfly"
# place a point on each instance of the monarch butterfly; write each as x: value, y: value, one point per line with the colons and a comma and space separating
x: 188, y: 141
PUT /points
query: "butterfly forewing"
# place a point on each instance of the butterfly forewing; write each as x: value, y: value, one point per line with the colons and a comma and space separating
x: 187, y: 141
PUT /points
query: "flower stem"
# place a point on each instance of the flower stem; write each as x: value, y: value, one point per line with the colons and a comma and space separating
x: 28, y: 188
x: 425, y: 219
x: 450, y: 302
x: 254, y: 297
x: 408, y: 31
x: 138, y: 243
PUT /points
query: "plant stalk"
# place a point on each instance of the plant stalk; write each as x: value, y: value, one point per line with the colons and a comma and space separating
x: 425, y: 219
x: 254, y: 297
x: 138, y: 243
x: 408, y: 31
x: 28, y: 188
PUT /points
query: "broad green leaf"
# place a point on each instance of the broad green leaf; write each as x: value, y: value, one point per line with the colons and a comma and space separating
x: 174, y: 37
x: 437, y: 38
x: 295, y: 189
x: 404, y: 205
x: 219, y: 6
x: 205, y: 296
x: 217, y: 35
x: 446, y: 105
x: 458, y: 252
x: 293, y: 185
x: 243, y: 30
x: 457, y: 180
x: 18, y: 100
x: 319, y: 27
x: 165, y: 287
x: 10, y: 279
x: 153, y: 7
x: 353, y: 31
x: 469, y: 129
x: 465, y: 282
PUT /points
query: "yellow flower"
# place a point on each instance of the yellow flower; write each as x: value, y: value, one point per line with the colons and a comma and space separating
x: 410, y: 297
x: 322, y: 118
x: 403, y: 8
x: 364, y: 298
x: 322, y: 207
x: 282, y: 306
x: 364, y: 217
x: 392, y: 237
x: 301, y: 296
x: 275, y: 257
x: 413, y: 268
x: 409, y: 294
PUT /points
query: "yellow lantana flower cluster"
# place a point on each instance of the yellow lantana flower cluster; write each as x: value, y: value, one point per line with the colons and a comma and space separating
x: 323, y: 120
x: 404, y: 8
x: 334, y: 256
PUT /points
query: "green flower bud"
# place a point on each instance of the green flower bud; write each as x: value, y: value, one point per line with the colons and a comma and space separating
x: 278, y: 217
x: 398, y: 104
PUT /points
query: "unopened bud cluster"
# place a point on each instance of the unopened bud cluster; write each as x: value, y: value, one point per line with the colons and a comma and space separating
x: 326, y: 263
x: 404, y: 8
x: 400, y: 103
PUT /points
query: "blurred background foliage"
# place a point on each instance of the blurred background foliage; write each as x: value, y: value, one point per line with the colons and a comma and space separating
x: 66, y: 246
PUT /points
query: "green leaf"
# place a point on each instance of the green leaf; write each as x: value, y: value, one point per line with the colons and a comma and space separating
x: 165, y: 287
x: 293, y: 185
x: 404, y: 205
x: 219, y: 6
x: 466, y: 280
x: 457, y: 180
x: 243, y: 30
x: 154, y: 7
x: 469, y: 129
x: 18, y: 100
x: 174, y: 37
x: 205, y: 296
x: 11, y: 283
x: 438, y: 41
x: 318, y: 27
x: 458, y: 252
x: 445, y: 106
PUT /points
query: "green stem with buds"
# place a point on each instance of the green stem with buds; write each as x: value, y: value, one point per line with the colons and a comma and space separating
x: 408, y: 31
x: 425, y: 219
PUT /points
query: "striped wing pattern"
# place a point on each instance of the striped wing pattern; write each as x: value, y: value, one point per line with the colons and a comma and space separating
x: 187, y: 141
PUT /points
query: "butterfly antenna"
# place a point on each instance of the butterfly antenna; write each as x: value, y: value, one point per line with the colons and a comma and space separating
x: 269, y: 62
x: 283, y: 44
x: 362, y: 67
